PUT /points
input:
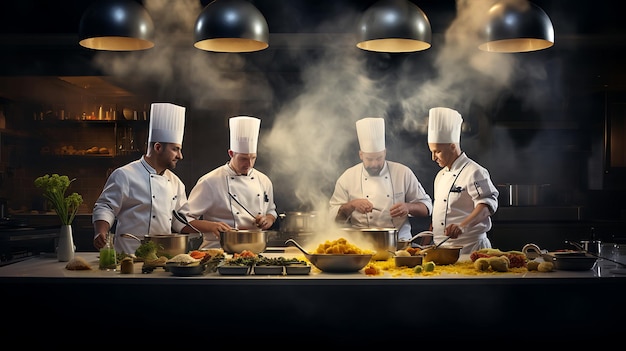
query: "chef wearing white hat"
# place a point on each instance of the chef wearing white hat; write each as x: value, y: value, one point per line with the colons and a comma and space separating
x: 236, y: 194
x: 140, y: 197
x: 464, y: 195
x: 377, y: 192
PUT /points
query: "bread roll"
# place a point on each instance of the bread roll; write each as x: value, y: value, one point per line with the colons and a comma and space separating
x: 77, y: 264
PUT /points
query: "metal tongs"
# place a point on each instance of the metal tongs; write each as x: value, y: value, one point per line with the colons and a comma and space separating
x: 581, y: 248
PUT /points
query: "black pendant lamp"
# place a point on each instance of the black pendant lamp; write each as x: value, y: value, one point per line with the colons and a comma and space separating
x: 116, y: 25
x: 231, y: 26
x: 517, y: 26
x: 394, y: 26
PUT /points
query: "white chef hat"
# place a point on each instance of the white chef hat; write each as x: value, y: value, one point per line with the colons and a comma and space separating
x: 371, y: 134
x: 167, y: 123
x: 444, y: 125
x: 244, y: 134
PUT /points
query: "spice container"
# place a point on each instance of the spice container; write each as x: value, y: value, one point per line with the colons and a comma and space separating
x: 127, y: 265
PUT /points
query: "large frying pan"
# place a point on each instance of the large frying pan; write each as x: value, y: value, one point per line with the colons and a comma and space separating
x: 335, y: 263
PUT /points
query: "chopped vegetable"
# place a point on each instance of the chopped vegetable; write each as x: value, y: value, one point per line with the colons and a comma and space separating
x: 147, y: 251
x: 429, y: 266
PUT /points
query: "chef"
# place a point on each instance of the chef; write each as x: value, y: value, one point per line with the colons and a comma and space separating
x: 376, y: 192
x: 464, y: 195
x: 236, y: 194
x: 140, y: 196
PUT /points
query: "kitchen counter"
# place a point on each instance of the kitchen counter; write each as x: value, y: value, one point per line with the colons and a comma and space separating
x: 353, y: 307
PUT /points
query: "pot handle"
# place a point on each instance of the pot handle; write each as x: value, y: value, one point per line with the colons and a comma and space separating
x: 128, y: 235
x: 532, y: 251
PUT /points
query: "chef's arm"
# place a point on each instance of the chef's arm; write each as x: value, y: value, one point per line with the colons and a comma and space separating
x: 101, y: 228
x: 402, y: 209
x: 205, y: 226
x: 360, y: 205
x: 480, y: 212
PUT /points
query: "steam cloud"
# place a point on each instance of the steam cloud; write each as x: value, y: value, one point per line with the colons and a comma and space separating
x: 313, y: 136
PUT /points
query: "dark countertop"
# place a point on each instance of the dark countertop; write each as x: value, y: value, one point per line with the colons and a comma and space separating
x: 340, y: 307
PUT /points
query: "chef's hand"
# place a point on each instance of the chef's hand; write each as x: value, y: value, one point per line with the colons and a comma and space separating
x: 361, y: 205
x: 454, y: 230
x: 399, y: 210
x: 264, y: 222
x: 220, y: 227
x: 100, y: 240
x: 214, y: 228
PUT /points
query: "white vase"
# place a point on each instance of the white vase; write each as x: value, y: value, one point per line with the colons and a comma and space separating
x: 65, y: 248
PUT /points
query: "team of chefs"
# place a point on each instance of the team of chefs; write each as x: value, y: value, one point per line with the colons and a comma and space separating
x: 143, y: 197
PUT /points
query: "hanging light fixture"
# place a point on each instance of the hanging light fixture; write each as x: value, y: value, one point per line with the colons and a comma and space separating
x: 231, y: 26
x: 116, y: 25
x: 394, y: 26
x: 517, y: 26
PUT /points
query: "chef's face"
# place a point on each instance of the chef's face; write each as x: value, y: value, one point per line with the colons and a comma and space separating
x: 373, y: 161
x: 241, y: 163
x: 443, y: 154
x: 169, y: 154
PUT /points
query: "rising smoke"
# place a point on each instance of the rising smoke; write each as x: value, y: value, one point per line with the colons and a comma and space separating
x: 313, y: 135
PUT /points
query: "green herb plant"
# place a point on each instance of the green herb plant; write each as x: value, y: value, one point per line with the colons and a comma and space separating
x: 54, y: 188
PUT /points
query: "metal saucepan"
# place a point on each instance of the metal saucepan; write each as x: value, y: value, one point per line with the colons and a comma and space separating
x: 171, y: 244
x: 296, y: 222
x: 238, y: 240
x: 382, y: 240
x: 335, y: 263
x: 436, y: 253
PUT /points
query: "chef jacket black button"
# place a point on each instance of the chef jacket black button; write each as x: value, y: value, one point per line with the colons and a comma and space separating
x: 386, y: 177
x: 258, y: 195
x: 232, y: 177
x: 154, y: 197
x: 251, y: 177
x: 367, y: 196
x: 153, y: 216
x: 444, y: 200
x: 237, y: 212
x: 387, y: 195
x: 441, y: 223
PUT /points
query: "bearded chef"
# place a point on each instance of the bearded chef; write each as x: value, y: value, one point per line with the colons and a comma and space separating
x: 377, y: 192
x: 465, y: 197
x: 140, y: 197
x: 236, y: 194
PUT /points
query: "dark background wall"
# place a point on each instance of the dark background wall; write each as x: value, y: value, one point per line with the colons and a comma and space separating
x: 533, y: 118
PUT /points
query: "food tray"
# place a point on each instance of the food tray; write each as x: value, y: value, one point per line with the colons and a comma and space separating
x: 186, y: 270
x: 297, y: 269
x: 233, y: 270
x: 571, y: 262
x: 268, y: 270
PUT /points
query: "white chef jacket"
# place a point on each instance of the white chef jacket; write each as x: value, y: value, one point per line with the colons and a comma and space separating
x: 395, y: 183
x: 458, y: 190
x: 210, y: 199
x: 142, y: 202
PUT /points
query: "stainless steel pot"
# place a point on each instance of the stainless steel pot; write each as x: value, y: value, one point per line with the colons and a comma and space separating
x: 299, y: 222
x: 522, y: 194
x: 236, y: 241
x: 381, y: 240
x: 171, y: 245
